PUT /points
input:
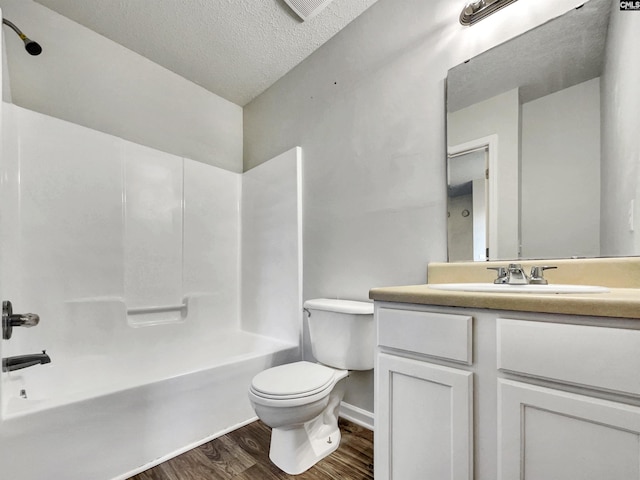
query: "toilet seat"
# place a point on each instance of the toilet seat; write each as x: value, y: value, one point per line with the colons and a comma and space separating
x: 293, y: 380
x: 294, y: 384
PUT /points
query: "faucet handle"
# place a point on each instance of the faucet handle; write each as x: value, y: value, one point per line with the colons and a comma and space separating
x: 502, y: 274
x: 10, y: 320
x: 24, y: 320
x: 537, y: 275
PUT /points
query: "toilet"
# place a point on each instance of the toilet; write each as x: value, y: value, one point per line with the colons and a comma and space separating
x: 300, y: 401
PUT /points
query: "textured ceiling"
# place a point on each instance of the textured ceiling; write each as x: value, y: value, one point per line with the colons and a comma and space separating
x: 233, y: 48
x: 554, y: 56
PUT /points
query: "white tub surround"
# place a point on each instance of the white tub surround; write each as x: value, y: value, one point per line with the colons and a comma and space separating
x: 153, y: 236
x: 272, y: 247
x: 131, y: 257
x: 100, y: 230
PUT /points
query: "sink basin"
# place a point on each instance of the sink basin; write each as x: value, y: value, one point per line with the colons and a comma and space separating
x: 504, y: 288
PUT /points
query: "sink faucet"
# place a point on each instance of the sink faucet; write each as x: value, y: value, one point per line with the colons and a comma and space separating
x: 514, y: 275
x: 10, y: 364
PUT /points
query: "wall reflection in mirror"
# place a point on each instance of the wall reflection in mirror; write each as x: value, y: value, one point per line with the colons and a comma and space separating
x: 543, y: 138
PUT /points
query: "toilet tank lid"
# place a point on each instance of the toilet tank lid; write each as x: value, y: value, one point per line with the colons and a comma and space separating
x: 340, y: 306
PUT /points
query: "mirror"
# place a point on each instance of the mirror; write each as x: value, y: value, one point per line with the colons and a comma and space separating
x: 543, y: 141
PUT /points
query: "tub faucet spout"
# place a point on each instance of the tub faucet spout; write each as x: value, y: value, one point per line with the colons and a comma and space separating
x: 10, y: 364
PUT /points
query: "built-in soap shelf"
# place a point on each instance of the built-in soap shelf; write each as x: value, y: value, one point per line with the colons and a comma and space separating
x: 143, y: 316
x: 152, y: 315
x: 183, y: 308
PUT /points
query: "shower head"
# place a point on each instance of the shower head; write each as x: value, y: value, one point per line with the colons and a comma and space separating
x: 30, y: 46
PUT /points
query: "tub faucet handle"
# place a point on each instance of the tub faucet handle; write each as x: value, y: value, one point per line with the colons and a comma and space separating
x: 25, y: 320
x: 10, y: 320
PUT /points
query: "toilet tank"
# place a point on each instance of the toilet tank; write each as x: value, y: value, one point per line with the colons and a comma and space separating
x: 342, y: 333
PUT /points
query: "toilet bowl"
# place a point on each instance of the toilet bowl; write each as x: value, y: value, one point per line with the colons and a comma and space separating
x: 300, y: 401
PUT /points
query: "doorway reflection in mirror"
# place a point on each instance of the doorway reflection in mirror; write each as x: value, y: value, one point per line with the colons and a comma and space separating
x: 467, y: 203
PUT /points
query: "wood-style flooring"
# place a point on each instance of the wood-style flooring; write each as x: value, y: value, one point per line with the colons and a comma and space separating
x: 244, y: 455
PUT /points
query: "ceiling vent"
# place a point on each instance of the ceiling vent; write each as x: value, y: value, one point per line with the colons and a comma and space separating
x: 307, y: 9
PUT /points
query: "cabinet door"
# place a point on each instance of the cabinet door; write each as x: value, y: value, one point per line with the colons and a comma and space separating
x: 547, y: 434
x: 424, y: 425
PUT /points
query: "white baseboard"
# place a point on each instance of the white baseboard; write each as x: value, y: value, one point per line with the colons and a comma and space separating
x: 182, y: 450
x: 357, y: 415
x: 347, y: 411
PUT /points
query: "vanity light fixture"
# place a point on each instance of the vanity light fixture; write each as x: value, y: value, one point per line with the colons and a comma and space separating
x: 477, y: 10
x: 307, y: 9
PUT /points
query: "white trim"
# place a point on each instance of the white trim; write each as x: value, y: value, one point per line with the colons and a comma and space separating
x: 300, y: 240
x: 490, y: 142
x: 357, y: 415
x: 349, y: 412
x: 182, y: 450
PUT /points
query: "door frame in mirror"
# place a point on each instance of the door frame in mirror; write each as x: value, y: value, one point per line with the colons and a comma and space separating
x: 490, y: 143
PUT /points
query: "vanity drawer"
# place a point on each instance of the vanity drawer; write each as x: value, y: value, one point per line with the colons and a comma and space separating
x: 435, y: 334
x: 600, y: 357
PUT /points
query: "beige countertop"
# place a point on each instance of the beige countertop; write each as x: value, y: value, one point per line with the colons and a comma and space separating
x: 619, y: 302
x: 620, y: 275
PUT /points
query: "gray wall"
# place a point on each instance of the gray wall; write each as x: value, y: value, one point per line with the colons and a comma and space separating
x: 84, y: 78
x: 560, y: 173
x: 621, y: 129
x: 368, y: 111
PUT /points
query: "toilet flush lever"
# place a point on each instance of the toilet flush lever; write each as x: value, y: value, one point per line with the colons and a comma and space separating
x: 10, y: 320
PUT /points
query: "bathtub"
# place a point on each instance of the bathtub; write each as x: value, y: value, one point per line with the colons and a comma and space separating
x: 66, y: 420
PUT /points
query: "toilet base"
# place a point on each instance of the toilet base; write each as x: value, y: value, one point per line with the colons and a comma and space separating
x: 296, y: 449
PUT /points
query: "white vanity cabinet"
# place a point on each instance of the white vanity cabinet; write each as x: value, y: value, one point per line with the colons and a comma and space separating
x: 479, y: 394
x: 424, y: 411
x: 581, y: 427
x: 550, y: 434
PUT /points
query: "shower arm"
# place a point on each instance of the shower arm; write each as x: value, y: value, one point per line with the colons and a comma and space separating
x: 30, y: 46
x: 13, y: 27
